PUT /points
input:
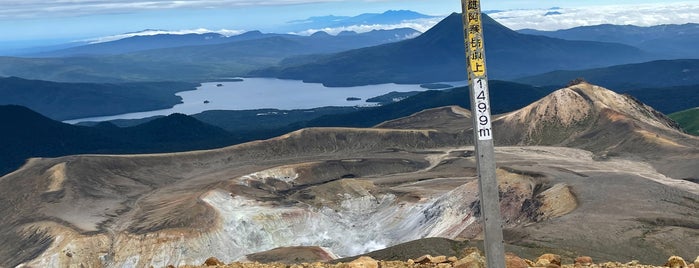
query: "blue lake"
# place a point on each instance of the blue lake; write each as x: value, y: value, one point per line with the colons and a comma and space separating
x: 258, y: 93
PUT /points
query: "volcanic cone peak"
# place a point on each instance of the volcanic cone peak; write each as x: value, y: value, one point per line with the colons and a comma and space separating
x: 570, y: 113
x: 573, y: 104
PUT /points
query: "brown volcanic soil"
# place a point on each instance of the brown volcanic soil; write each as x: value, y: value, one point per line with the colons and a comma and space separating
x: 438, y: 253
x: 616, y: 195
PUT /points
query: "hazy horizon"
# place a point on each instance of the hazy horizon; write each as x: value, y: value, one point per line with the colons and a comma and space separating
x: 33, y: 23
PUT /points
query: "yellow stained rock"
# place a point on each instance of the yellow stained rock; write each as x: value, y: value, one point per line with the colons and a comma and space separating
x: 514, y: 261
x: 676, y: 262
x: 473, y: 260
x: 546, y: 259
x: 583, y: 260
x: 213, y: 261
x: 364, y: 262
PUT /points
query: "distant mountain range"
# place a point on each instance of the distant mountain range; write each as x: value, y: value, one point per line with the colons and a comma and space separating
x: 30, y: 134
x: 194, y: 42
x: 391, y: 17
x: 438, y: 55
x: 671, y: 41
x: 661, y: 73
x: 51, y: 138
x: 667, y: 85
x: 34, y: 135
x: 271, y: 48
x: 63, y: 101
x: 347, y: 58
x: 172, y: 38
x: 139, y: 43
x: 125, y: 60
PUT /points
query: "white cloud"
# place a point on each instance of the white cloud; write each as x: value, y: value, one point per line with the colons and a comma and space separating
x: 421, y: 25
x: 639, y: 15
x: 224, y: 32
x: 14, y: 9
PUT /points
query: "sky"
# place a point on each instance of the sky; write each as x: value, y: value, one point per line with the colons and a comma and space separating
x: 45, y: 22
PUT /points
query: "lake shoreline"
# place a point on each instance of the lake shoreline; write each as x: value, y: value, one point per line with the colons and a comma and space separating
x: 265, y: 93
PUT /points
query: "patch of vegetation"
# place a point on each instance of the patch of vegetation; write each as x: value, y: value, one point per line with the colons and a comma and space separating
x: 688, y: 120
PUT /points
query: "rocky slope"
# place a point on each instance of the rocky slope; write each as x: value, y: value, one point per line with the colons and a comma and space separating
x: 597, y: 119
x: 470, y: 257
x: 351, y: 191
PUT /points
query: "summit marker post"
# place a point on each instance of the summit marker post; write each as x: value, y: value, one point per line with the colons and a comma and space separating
x: 483, y: 133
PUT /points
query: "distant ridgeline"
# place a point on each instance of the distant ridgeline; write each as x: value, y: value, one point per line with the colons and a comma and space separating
x: 63, y: 101
x: 438, y: 55
x: 34, y: 135
x: 575, y: 158
x: 192, y: 58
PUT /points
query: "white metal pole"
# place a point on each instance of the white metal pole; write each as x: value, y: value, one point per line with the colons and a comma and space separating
x: 483, y: 133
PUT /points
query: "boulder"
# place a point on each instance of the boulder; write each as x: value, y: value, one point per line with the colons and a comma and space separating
x: 546, y: 259
x: 384, y: 264
x: 439, y: 259
x: 514, y: 261
x: 473, y: 260
x: 583, y: 261
x: 213, y: 261
x: 617, y: 265
x: 364, y: 262
x: 696, y: 262
x: 676, y: 262
x: 467, y: 251
x: 423, y: 259
x: 430, y: 259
